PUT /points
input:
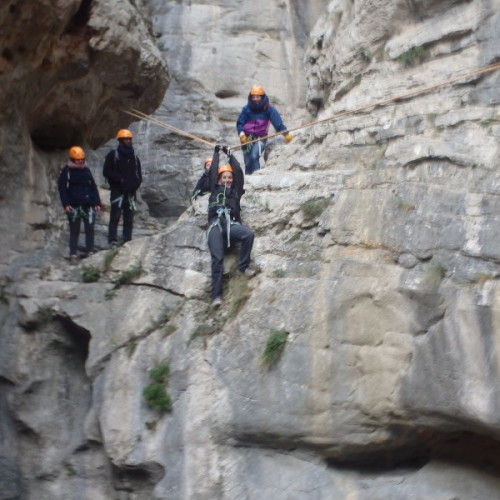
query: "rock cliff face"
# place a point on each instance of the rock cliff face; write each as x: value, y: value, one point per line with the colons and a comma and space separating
x: 378, y: 255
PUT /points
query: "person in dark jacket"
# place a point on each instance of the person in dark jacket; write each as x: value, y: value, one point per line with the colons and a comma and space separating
x: 80, y: 199
x: 203, y: 185
x: 122, y: 169
x: 224, y: 219
x: 253, y: 122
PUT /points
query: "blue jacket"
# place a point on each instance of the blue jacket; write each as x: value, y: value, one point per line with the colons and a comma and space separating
x: 254, y: 120
x: 77, y: 187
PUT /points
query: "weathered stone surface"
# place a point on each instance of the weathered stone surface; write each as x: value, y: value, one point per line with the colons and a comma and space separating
x: 377, y: 254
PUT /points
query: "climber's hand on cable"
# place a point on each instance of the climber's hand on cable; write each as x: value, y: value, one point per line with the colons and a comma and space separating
x: 243, y: 138
x: 288, y: 138
x: 217, y: 148
x: 226, y: 150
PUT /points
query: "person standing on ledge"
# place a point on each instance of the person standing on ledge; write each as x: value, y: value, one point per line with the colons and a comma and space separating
x: 80, y: 200
x: 122, y: 169
x: 253, y: 123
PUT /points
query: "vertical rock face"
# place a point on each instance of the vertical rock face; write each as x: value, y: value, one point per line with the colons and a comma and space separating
x: 377, y: 250
x: 67, y: 69
x: 216, y: 52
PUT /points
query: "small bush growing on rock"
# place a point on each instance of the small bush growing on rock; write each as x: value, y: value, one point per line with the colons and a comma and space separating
x: 90, y: 274
x: 314, y: 208
x: 128, y: 275
x: 155, y: 393
x: 108, y: 258
x: 435, y: 273
x: 414, y: 56
x: 274, y: 347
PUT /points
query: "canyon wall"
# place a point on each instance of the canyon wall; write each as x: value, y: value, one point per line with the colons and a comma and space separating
x: 377, y: 259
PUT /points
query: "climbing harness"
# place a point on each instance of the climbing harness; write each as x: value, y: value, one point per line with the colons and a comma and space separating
x: 130, y: 199
x: 487, y: 69
x: 80, y: 213
x: 222, y: 211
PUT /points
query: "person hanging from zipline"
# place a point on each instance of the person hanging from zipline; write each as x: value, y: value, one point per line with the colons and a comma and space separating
x: 226, y: 184
x: 80, y: 200
x: 122, y: 169
x: 253, y: 122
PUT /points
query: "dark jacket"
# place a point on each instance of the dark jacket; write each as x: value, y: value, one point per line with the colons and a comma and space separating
x: 203, y: 185
x: 254, y: 120
x: 222, y: 196
x: 123, y: 170
x: 77, y: 187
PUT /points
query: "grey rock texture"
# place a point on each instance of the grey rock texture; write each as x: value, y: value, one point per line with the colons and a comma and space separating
x: 377, y: 261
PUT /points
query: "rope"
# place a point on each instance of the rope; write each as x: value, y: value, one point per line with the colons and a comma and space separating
x: 383, y: 102
x: 143, y: 116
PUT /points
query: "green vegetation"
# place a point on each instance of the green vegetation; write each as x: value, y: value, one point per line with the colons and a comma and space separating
x: 414, y: 56
x: 155, y: 393
x: 314, y: 208
x: 294, y: 237
x: 90, y: 274
x: 108, y: 258
x: 436, y: 272
x: 274, y: 347
x: 239, y: 293
x: 128, y: 275
x: 279, y: 273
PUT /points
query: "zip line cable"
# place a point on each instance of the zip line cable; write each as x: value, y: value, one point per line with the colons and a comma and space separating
x: 487, y: 69
x: 143, y: 116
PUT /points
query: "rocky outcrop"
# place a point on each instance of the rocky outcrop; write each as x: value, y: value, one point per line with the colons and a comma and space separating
x: 67, y: 69
x: 378, y: 270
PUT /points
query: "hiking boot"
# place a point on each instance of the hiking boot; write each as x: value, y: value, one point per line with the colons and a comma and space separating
x: 217, y: 302
x: 249, y: 273
x: 73, y: 259
x: 113, y: 244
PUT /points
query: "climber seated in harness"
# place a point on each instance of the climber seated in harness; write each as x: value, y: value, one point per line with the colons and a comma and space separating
x: 226, y: 189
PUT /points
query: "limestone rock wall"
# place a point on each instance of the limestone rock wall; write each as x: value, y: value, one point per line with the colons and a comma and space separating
x: 67, y: 69
x: 216, y: 52
x: 378, y: 260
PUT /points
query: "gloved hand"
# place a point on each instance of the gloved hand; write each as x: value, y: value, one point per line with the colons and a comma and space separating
x: 226, y: 150
x: 217, y: 148
x: 288, y: 138
x: 243, y: 138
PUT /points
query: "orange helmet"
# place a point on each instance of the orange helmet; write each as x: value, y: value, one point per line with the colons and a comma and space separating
x: 124, y: 134
x: 224, y: 168
x: 207, y: 160
x: 257, y: 90
x: 77, y: 153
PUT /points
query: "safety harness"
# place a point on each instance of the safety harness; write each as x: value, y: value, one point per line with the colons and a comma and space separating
x: 248, y: 148
x: 222, y: 211
x: 130, y: 199
x: 80, y: 213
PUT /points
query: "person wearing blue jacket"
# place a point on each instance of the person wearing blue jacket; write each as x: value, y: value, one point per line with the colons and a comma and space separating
x: 80, y: 200
x: 253, y: 122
